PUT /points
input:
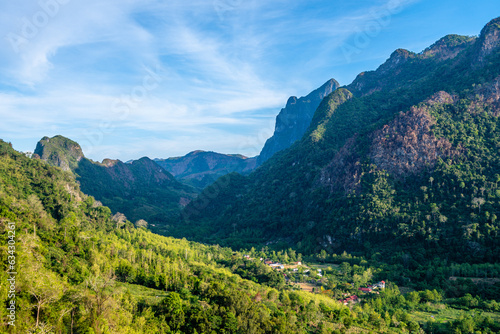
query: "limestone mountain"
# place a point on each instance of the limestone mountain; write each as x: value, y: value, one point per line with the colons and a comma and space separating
x: 200, y: 168
x: 59, y: 151
x: 405, y: 156
x: 140, y: 190
x: 293, y: 120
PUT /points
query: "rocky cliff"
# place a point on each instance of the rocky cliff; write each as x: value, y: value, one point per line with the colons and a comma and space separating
x: 293, y: 120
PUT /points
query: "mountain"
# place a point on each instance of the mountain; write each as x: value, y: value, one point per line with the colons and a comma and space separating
x: 200, y: 168
x: 293, y: 120
x: 405, y: 157
x: 140, y: 190
x: 59, y: 151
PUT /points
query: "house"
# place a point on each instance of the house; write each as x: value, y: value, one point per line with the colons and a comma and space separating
x: 295, y: 269
x: 298, y: 263
x: 365, y: 290
x: 351, y: 299
x: 268, y: 262
x: 380, y: 285
x: 246, y: 257
x: 277, y: 265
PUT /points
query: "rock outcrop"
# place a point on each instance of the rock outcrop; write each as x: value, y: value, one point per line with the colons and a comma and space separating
x: 293, y: 121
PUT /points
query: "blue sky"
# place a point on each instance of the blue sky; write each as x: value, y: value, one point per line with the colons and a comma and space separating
x: 155, y: 78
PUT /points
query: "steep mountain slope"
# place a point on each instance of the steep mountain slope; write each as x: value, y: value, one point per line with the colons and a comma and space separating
x: 293, y: 120
x: 200, y: 168
x: 140, y: 190
x: 405, y: 157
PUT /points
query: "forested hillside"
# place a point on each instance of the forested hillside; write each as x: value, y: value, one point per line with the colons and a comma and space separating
x: 74, y: 267
x: 78, y: 269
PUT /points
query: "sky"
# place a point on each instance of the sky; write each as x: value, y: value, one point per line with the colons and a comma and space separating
x: 161, y: 78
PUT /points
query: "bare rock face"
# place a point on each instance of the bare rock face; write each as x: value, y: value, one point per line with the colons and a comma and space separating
x: 406, y: 146
x: 59, y: 151
x: 293, y: 121
x: 489, y: 41
x: 403, y: 147
x: 489, y: 95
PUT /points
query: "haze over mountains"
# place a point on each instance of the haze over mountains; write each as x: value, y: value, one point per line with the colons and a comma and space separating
x: 200, y: 168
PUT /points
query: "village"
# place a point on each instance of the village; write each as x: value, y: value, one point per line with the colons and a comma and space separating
x: 323, y: 278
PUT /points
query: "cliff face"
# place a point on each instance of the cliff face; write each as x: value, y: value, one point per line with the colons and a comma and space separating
x: 293, y: 120
x: 489, y: 41
x: 59, y: 151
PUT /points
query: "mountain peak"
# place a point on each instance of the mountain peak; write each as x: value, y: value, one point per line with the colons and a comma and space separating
x: 110, y: 162
x: 59, y: 151
x: 293, y: 120
x: 448, y: 47
x: 397, y: 58
x: 488, y: 40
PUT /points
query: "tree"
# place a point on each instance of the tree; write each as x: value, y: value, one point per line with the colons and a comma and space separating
x: 120, y: 219
x: 100, y: 286
x: 45, y: 287
x: 171, y: 307
x: 477, y: 202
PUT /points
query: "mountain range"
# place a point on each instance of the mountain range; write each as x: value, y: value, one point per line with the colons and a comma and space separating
x: 406, y: 153
x: 140, y: 189
x: 200, y: 168
x: 156, y: 194
x: 406, y: 156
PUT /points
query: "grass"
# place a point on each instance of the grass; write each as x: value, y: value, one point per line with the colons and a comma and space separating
x: 141, y: 292
x: 444, y: 314
x: 324, y: 266
x: 307, y: 286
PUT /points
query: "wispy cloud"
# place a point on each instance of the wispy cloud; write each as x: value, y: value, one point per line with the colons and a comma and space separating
x: 218, y: 69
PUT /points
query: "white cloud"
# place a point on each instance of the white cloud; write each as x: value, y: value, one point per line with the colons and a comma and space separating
x: 218, y: 63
